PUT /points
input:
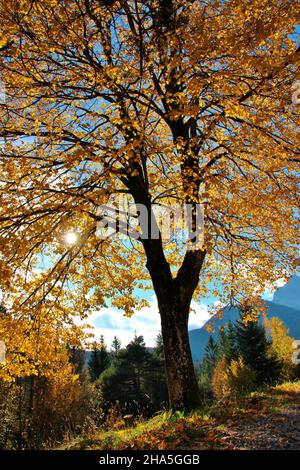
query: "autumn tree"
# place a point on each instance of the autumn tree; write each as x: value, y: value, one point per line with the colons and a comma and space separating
x: 39, y: 410
x: 161, y: 102
x: 282, y: 346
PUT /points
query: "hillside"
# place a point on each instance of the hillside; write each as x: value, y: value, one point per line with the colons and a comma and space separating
x: 267, y: 419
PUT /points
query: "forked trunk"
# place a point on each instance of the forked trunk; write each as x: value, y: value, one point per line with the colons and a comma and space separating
x: 174, y: 297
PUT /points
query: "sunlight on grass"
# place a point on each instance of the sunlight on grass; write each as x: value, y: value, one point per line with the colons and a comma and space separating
x: 168, y: 430
x: 164, y: 431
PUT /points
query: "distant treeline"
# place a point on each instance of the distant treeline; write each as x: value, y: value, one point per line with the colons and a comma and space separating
x: 133, y: 376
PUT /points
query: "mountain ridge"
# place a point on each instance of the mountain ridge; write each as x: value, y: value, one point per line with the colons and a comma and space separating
x: 199, y: 336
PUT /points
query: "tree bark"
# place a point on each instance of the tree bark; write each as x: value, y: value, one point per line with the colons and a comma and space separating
x: 183, y: 388
x: 174, y: 297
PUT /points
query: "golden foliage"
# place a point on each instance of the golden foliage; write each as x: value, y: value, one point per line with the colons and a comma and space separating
x: 189, y: 105
x: 232, y: 380
x: 281, y: 346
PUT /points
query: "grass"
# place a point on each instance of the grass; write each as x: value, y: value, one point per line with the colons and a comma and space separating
x: 179, y: 430
x: 163, y: 431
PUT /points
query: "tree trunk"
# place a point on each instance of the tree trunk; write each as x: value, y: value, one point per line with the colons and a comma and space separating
x: 183, y: 388
x: 174, y: 297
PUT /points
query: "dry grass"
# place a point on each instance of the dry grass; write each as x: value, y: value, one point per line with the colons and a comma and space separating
x: 200, y: 429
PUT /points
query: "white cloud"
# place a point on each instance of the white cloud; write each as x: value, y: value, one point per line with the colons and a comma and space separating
x: 269, y: 293
x: 199, y: 315
x: 110, y: 322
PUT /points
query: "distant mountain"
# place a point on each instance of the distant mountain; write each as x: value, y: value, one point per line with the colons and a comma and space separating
x: 289, y: 294
x: 199, y: 337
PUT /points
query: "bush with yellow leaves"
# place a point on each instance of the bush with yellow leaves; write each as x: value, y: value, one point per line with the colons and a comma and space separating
x: 232, y: 380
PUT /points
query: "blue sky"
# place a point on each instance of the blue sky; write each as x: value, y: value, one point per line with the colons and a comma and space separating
x: 110, y: 322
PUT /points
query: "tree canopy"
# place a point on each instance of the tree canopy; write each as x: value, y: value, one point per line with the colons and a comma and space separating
x: 162, y: 102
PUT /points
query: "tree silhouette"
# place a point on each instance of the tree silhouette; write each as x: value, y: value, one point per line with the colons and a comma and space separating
x: 99, y: 360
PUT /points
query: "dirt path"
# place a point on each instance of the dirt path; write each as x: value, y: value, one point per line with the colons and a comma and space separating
x: 275, y: 431
x: 270, y: 423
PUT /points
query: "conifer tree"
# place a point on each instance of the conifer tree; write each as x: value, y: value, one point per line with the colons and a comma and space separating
x: 254, y: 348
x: 227, y: 342
x: 156, y: 381
x: 115, y: 345
x: 159, y: 346
x: 140, y: 376
x: 77, y: 358
x: 211, y: 351
x: 99, y: 360
x: 207, y: 365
